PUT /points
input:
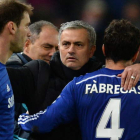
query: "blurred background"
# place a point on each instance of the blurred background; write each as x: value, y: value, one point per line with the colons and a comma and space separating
x: 98, y: 13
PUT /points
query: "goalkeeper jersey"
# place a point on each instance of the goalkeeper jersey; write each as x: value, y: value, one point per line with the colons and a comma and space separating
x: 104, y: 110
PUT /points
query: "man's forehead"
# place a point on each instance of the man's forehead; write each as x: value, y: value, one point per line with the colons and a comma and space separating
x: 74, y: 34
x: 26, y: 17
x: 73, y: 29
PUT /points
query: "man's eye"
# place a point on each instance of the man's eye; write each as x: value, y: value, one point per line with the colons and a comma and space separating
x: 79, y: 45
x: 46, y: 47
x: 65, y: 44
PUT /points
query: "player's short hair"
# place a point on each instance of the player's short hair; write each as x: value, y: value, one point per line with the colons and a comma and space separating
x: 12, y: 10
x: 121, y: 40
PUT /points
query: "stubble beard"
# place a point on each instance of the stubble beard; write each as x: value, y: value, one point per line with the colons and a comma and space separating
x: 16, y: 46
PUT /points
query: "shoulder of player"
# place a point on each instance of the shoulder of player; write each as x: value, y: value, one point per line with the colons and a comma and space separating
x: 86, y: 77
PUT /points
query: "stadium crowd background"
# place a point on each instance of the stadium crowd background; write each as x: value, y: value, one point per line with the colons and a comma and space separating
x: 98, y: 13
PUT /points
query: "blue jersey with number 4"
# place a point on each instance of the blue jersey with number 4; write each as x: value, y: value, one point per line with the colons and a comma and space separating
x: 104, y: 110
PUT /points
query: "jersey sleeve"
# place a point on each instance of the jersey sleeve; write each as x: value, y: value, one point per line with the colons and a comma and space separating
x: 6, y: 106
x: 62, y: 110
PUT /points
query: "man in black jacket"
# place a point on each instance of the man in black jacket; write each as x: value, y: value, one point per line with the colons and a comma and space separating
x: 41, y: 83
x: 41, y: 44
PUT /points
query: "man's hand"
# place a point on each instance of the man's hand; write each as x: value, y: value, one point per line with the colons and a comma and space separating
x: 130, y: 76
x: 27, y: 112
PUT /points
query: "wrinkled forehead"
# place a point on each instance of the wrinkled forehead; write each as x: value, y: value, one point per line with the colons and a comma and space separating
x: 74, y: 34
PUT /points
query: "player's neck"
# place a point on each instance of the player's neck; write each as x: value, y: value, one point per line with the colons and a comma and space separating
x: 5, y: 52
x: 117, y: 66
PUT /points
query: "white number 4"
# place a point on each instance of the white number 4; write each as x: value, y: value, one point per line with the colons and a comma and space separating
x: 112, y: 110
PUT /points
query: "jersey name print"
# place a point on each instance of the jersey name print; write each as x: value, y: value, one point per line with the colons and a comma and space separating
x: 109, y: 89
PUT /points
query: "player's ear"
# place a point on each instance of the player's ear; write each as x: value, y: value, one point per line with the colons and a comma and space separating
x: 103, y: 49
x: 92, y: 50
x: 12, y: 27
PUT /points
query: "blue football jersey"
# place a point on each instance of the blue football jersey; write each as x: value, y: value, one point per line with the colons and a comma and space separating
x: 104, y: 110
x: 6, y: 106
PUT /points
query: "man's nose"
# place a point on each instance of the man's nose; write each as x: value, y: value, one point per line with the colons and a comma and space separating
x: 28, y: 34
x: 53, y: 50
x: 71, y: 48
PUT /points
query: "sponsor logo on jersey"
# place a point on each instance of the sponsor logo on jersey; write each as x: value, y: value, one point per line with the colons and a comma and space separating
x: 11, y: 101
x: 8, y: 88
